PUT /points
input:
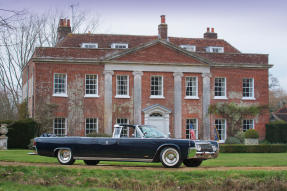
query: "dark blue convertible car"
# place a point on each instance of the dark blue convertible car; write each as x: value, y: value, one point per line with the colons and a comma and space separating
x: 129, y: 143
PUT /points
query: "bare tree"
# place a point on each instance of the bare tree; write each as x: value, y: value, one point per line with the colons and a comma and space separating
x: 7, y: 109
x: 19, y: 42
x: 277, y: 96
x: 7, y: 17
x: 82, y: 23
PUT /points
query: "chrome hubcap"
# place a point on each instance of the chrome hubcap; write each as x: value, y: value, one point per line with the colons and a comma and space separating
x: 170, y: 157
x: 64, y: 155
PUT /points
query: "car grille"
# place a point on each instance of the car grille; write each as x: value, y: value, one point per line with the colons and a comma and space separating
x: 206, y: 148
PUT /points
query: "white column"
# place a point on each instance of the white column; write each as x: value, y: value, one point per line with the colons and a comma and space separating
x: 108, y: 109
x: 177, y: 104
x: 137, y: 96
x: 205, y: 105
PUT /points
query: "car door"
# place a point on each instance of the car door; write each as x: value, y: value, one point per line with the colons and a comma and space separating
x: 97, y: 147
x: 133, y: 146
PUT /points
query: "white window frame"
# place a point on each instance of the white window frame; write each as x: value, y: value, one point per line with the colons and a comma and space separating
x: 225, y: 130
x: 225, y: 92
x: 97, y: 126
x: 97, y: 84
x: 128, y: 87
x: 196, y: 88
x: 250, y: 97
x: 127, y: 128
x: 66, y: 82
x: 211, y: 49
x: 187, y: 136
x: 65, y: 121
x: 157, y: 96
x: 113, y: 45
x: 188, y: 47
x: 89, y: 45
x: 253, y: 124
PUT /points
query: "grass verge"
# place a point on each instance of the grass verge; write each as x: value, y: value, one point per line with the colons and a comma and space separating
x: 224, y: 159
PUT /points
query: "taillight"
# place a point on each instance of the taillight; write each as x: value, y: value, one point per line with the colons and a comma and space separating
x: 34, y: 143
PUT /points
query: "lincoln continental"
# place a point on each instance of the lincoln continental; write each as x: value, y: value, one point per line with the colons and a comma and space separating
x: 142, y: 143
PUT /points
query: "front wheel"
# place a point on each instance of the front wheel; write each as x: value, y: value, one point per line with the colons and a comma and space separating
x: 65, y: 157
x: 192, y: 162
x: 170, y: 157
x: 91, y: 162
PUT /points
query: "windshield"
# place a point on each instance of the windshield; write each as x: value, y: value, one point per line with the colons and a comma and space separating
x: 149, y: 131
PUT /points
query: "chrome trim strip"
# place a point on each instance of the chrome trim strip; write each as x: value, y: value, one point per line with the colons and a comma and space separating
x: 113, y: 159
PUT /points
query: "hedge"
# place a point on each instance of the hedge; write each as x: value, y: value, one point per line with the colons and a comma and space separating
x: 20, y: 132
x: 262, y: 148
x: 276, y: 133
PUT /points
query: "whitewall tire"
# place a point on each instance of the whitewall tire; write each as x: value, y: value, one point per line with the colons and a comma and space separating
x: 170, y: 157
x: 65, y: 157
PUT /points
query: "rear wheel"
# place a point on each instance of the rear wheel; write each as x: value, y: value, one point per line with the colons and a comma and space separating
x: 91, y: 162
x: 192, y: 162
x: 170, y: 157
x: 65, y: 157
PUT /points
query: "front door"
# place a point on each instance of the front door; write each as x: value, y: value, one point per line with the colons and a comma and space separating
x: 157, y: 120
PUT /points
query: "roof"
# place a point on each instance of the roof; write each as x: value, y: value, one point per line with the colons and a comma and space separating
x: 105, y: 41
x: 236, y: 58
x: 136, y: 54
x: 280, y: 114
x: 282, y: 110
x: 54, y: 52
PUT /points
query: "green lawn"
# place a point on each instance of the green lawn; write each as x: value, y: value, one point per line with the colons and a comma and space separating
x: 29, y: 178
x: 224, y: 159
x: 58, y: 178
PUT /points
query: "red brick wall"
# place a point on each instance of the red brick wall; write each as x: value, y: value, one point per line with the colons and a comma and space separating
x: 168, y: 101
x: 192, y: 108
x: 234, y: 90
x: 158, y: 53
x: 123, y: 107
x: 75, y: 108
x: 83, y: 108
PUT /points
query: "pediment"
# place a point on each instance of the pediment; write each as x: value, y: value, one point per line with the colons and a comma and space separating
x: 159, y: 52
x: 156, y: 108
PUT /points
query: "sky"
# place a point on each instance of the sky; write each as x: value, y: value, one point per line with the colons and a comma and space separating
x: 252, y: 26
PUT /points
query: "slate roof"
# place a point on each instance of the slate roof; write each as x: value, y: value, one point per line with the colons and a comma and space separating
x: 105, y: 41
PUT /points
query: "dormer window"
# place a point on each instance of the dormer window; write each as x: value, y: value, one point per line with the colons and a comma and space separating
x: 215, y: 49
x: 89, y: 45
x: 188, y: 47
x: 120, y: 45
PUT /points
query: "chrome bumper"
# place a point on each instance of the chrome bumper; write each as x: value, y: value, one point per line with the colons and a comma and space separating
x: 194, y: 154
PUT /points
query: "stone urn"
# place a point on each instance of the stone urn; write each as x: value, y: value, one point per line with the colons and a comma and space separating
x: 3, y: 138
x: 3, y: 130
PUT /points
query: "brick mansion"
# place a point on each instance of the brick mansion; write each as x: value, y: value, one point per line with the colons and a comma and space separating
x: 98, y: 80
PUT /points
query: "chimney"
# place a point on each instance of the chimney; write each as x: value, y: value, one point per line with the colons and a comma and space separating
x: 64, y: 28
x: 162, y: 29
x: 210, y: 35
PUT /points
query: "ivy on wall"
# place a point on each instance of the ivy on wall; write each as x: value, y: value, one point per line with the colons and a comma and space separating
x: 235, y: 113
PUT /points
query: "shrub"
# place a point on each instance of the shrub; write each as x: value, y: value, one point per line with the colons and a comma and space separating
x: 251, y: 134
x: 276, y: 132
x: 278, y: 122
x: 232, y: 140
x: 6, y: 122
x: 240, y: 136
x: 21, y: 132
x: 94, y: 134
x: 266, y: 148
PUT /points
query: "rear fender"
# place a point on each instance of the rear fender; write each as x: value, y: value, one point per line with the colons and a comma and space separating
x: 159, y: 149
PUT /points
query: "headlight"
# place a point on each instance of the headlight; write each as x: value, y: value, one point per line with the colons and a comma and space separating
x: 198, y: 147
x: 214, y: 148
